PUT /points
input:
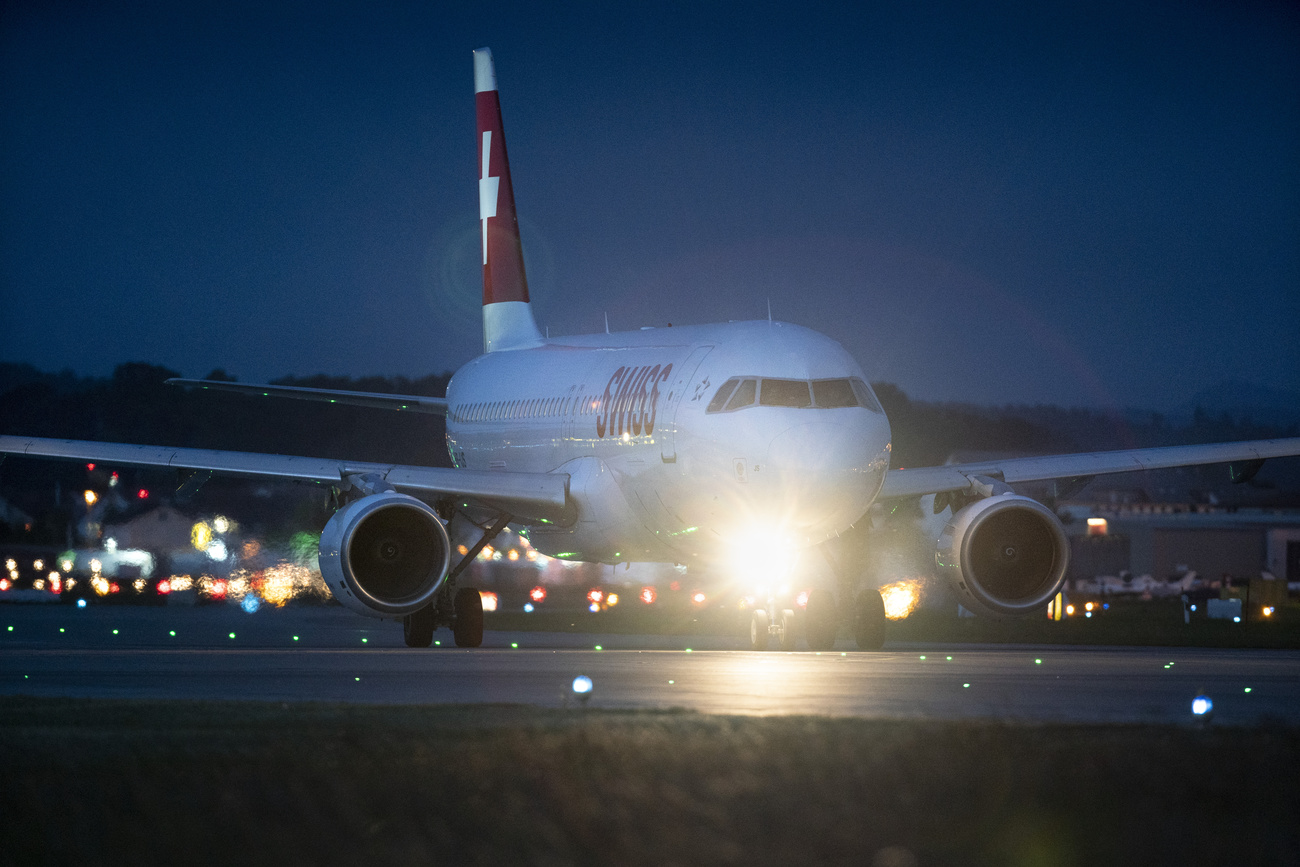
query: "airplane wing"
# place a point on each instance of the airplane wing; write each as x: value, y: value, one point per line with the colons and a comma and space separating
x: 375, y: 400
x: 1082, y: 467
x: 526, y: 496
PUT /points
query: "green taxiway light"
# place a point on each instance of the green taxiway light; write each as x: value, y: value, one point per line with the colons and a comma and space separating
x: 295, y: 638
x: 688, y: 650
x: 1247, y: 689
x: 61, y: 629
x: 115, y: 632
x: 515, y: 645
x: 365, y: 640
x: 923, y: 657
x: 11, y: 629
x: 357, y: 679
x: 437, y: 644
x: 1038, y: 662
x: 598, y: 647
x: 232, y: 635
x: 965, y: 686
x: 950, y: 659
x: 173, y: 633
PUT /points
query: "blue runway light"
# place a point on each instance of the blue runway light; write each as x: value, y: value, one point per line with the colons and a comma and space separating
x: 528, y: 607
x: 251, y: 603
x: 1202, y: 705
x: 81, y: 603
x: 582, y: 686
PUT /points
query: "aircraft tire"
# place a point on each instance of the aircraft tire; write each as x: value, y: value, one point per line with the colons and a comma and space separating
x: 417, y: 628
x: 822, y: 620
x: 758, y: 634
x: 468, y: 627
x: 869, y: 622
x: 787, y: 630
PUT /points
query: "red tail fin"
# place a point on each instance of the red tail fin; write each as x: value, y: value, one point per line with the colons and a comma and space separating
x: 507, y: 314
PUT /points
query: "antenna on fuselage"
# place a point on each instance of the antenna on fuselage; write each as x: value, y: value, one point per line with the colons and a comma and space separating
x: 606, y: 321
x: 769, y: 311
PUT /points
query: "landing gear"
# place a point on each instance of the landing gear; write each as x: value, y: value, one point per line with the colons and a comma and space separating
x: 822, y: 620
x: 418, y: 628
x: 869, y: 620
x: 787, y: 633
x: 467, y: 628
x: 758, y: 630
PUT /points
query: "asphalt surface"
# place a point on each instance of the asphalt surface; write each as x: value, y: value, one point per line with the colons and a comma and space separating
x: 328, y: 654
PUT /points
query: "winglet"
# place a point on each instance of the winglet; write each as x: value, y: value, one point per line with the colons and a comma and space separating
x: 507, y: 314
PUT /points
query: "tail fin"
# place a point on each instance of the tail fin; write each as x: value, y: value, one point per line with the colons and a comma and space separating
x: 507, y: 313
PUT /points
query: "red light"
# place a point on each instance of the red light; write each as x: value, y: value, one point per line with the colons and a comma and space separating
x: 4, y: 584
x: 648, y: 595
x: 142, y: 494
x: 164, y: 587
x: 676, y: 585
x: 802, y: 599
x: 595, y: 596
x: 56, y: 584
x: 113, y: 588
x: 90, y: 468
x: 218, y: 588
x: 114, y: 477
x: 537, y: 594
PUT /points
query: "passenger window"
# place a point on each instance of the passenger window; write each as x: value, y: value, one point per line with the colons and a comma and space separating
x: 784, y: 392
x: 866, y: 397
x: 720, y: 398
x: 744, y: 395
x: 833, y: 393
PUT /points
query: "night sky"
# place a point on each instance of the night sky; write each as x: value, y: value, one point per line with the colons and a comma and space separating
x: 1069, y: 203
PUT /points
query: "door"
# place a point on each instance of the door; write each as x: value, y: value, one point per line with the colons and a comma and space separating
x: 683, y: 375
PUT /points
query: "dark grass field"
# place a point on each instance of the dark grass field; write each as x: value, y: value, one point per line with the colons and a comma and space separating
x: 1128, y: 622
x: 91, y: 782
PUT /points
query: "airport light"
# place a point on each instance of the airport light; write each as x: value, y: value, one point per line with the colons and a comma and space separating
x: 1202, y: 706
x: 91, y: 497
x: 528, y: 607
x: 537, y: 594
x: 81, y: 603
x: 648, y: 595
x: 582, y: 687
x: 489, y: 599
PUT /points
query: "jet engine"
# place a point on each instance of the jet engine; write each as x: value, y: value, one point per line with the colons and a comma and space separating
x: 1004, y: 555
x: 385, y: 555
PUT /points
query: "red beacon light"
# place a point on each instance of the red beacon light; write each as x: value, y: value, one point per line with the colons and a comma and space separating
x: 142, y: 494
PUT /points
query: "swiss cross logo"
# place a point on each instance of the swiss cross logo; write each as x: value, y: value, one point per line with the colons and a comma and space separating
x: 488, y: 188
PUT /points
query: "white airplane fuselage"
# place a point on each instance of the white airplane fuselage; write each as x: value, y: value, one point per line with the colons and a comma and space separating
x: 656, y: 474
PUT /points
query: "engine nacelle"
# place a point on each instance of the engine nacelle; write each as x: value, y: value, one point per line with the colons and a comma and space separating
x: 1004, y: 555
x: 385, y: 555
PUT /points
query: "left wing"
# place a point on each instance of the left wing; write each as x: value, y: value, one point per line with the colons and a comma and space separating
x: 1081, y: 467
x: 375, y: 400
x: 527, y: 496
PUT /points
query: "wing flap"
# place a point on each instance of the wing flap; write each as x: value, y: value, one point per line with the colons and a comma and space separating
x: 524, y: 495
x: 933, y: 480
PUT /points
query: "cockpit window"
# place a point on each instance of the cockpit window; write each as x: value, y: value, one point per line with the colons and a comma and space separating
x: 744, y: 395
x: 737, y: 393
x: 832, y: 393
x: 784, y: 392
x: 720, y: 397
x: 866, y: 397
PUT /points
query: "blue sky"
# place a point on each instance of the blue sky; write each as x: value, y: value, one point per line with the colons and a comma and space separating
x: 1025, y: 203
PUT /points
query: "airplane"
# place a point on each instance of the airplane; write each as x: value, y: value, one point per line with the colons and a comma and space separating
x: 755, y: 444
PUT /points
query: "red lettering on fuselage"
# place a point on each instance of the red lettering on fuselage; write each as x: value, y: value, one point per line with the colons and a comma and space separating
x: 631, y: 401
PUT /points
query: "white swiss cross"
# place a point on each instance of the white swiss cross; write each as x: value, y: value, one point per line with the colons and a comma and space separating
x: 487, y: 191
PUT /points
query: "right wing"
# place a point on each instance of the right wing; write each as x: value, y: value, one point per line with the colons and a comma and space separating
x: 526, y: 496
x: 375, y: 400
x: 1079, y: 467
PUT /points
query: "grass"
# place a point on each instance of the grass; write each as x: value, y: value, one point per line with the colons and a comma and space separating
x: 175, y: 782
x: 1130, y: 622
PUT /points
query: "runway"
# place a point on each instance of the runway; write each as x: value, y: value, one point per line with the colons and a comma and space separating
x: 327, y: 654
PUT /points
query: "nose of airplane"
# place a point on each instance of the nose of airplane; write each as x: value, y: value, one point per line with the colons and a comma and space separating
x: 827, y: 472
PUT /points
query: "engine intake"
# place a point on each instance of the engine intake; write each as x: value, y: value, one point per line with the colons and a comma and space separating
x: 385, y: 555
x: 1004, y: 555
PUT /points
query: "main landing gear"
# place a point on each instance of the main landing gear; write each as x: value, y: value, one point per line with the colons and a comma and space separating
x: 821, y: 621
x: 460, y: 608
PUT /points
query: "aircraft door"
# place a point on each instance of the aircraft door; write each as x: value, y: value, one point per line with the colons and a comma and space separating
x: 683, y: 375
